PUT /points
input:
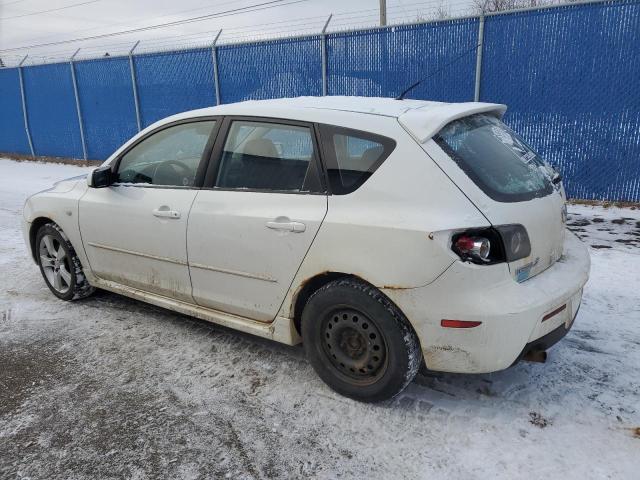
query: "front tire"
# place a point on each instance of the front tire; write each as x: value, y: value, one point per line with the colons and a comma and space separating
x: 59, y: 264
x: 358, y: 342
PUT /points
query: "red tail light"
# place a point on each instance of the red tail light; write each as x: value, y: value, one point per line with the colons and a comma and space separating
x: 492, y: 245
x: 474, y: 247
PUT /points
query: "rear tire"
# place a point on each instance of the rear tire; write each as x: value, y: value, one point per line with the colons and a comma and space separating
x: 59, y: 264
x: 358, y: 342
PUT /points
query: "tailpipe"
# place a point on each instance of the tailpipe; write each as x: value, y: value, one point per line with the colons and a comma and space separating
x: 538, y: 356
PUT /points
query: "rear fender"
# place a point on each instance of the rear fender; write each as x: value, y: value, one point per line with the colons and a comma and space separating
x: 393, y: 231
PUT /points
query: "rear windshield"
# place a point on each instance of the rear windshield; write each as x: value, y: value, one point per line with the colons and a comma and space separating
x: 496, y: 158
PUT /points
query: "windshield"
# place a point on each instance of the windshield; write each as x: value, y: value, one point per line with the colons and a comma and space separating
x: 496, y: 158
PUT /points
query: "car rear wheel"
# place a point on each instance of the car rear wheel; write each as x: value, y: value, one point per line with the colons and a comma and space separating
x: 358, y: 342
x: 59, y: 264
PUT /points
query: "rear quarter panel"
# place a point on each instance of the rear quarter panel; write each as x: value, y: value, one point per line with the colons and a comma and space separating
x: 542, y: 217
x: 394, y: 230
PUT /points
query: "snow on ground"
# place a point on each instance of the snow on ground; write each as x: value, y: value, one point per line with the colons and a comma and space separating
x: 109, y: 387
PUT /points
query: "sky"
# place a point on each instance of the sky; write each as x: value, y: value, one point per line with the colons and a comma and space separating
x: 29, y: 23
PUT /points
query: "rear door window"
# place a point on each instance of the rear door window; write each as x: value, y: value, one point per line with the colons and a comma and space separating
x: 268, y: 156
x: 351, y: 156
x: 496, y: 158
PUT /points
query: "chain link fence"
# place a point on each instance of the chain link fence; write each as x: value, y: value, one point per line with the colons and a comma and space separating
x: 569, y: 74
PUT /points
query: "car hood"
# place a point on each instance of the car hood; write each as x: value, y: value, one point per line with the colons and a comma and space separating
x: 66, y: 185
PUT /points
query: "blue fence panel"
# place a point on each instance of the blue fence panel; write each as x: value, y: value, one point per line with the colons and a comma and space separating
x: 383, y: 62
x: 106, y: 103
x: 283, y: 68
x: 174, y: 82
x: 51, y: 108
x: 13, y: 137
x: 571, y: 77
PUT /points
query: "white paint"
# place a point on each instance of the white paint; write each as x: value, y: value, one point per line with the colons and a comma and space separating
x: 393, y: 232
x: 424, y: 122
x: 121, y: 217
x: 228, y: 231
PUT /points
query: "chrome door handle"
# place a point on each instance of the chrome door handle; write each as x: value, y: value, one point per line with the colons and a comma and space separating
x: 295, y: 227
x: 166, y: 212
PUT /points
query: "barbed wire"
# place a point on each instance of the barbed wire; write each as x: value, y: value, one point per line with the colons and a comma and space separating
x: 342, y: 21
x: 421, y: 12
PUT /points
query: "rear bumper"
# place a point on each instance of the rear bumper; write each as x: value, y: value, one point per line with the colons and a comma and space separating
x: 546, y: 341
x: 512, y: 315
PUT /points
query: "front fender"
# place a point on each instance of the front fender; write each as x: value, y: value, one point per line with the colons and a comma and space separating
x: 60, y: 205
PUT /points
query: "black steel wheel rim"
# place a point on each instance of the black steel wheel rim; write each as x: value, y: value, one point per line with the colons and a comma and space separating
x: 354, y: 345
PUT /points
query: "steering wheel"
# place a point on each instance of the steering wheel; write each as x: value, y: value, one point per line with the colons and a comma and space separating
x: 166, y: 173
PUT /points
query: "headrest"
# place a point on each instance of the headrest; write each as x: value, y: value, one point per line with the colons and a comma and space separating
x: 261, y: 147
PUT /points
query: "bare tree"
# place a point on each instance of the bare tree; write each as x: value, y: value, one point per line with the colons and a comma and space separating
x: 441, y: 12
x: 490, y: 6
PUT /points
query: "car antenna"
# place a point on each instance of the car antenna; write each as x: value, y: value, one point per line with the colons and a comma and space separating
x: 414, y: 85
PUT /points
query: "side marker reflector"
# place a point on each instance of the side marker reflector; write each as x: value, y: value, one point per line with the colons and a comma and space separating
x: 459, y: 323
x: 555, y: 312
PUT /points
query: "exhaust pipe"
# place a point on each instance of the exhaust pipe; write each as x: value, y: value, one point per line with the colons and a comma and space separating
x: 538, y: 356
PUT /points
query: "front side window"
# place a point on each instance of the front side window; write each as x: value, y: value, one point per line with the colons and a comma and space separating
x: 352, y: 156
x: 496, y: 158
x: 169, y: 157
x: 266, y: 156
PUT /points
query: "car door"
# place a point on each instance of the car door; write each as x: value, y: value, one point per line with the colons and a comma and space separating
x: 134, y: 231
x: 255, y: 219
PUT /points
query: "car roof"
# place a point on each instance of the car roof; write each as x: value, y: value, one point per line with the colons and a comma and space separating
x: 388, y: 107
x: 421, y: 118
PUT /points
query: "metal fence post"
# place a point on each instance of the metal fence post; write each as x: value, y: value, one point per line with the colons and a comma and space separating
x: 323, y: 45
x: 24, y: 106
x: 214, y: 57
x: 75, y: 93
x: 479, y: 48
x: 134, y: 85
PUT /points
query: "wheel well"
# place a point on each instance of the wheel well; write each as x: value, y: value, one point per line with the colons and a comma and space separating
x: 33, y: 231
x: 309, y: 287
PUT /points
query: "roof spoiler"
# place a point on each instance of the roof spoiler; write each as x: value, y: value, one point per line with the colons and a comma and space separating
x: 424, y: 122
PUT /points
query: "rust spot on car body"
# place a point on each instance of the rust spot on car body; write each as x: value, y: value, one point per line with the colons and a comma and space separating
x: 448, y: 358
x: 394, y: 287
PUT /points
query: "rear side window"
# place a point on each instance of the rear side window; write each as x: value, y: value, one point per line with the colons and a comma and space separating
x: 352, y: 156
x: 266, y: 156
x: 496, y: 158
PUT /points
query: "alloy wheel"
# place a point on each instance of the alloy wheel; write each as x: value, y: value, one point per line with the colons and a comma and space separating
x: 55, y: 263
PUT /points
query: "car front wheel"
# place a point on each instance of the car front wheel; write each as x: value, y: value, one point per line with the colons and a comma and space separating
x: 59, y: 264
x: 358, y: 342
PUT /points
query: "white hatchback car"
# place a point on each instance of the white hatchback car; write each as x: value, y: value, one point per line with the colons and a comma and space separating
x: 377, y: 231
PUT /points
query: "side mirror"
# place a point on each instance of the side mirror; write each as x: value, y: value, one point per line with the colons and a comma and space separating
x: 101, y: 177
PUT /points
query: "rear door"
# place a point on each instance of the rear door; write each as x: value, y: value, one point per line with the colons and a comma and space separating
x: 253, y: 223
x: 508, y: 182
